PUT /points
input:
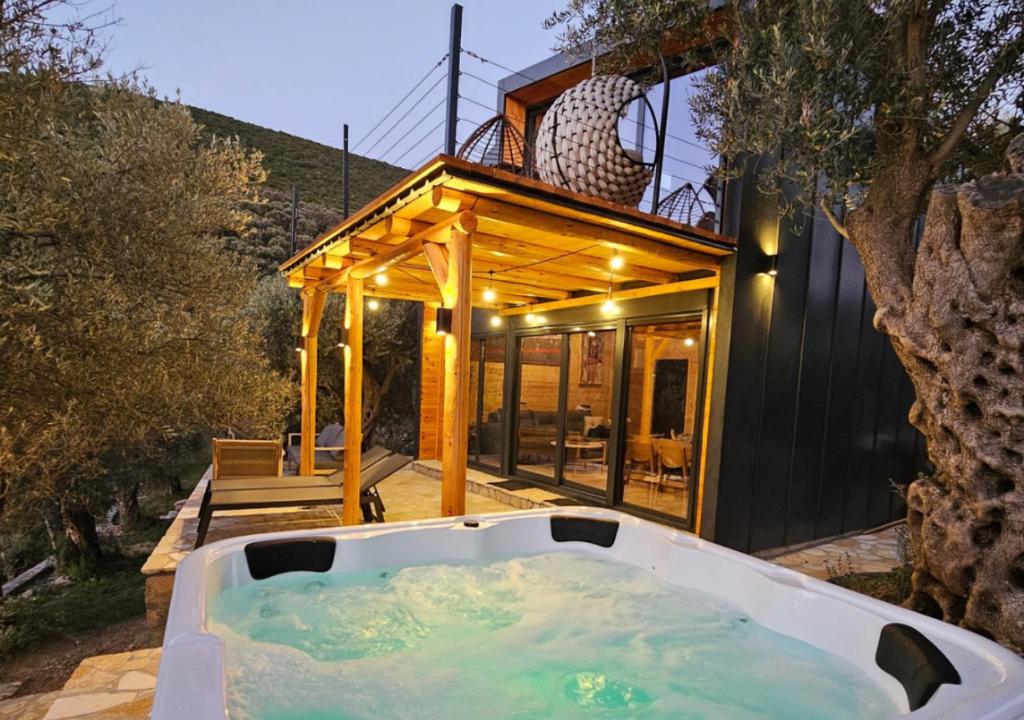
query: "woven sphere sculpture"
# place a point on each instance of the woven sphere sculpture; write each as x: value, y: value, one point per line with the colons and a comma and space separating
x: 578, y: 146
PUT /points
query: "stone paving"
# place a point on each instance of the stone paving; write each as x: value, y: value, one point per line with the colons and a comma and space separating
x: 872, y: 552
x: 105, y: 687
x: 27, y: 707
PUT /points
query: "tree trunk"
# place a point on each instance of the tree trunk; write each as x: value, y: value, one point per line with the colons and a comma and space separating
x: 960, y: 336
x: 80, y: 531
x: 128, y: 505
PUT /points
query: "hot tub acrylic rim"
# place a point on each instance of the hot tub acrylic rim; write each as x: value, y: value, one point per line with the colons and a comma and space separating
x: 1002, y: 697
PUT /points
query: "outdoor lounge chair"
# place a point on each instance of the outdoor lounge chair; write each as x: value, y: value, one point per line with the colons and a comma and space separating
x: 328, y: 448
x: 240, y: 493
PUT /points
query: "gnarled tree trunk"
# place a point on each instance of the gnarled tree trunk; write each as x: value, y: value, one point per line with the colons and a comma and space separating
x: 80, y: 532
x: 960, y: 336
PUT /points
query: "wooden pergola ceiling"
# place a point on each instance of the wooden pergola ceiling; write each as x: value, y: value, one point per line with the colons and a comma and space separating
x: 541, y: 243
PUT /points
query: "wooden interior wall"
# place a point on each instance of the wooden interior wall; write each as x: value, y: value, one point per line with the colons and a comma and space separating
x: 494, y: 387
x: 598, y: 397
x: 431, y: 387
x: 815, y: 411
x: 538, y: 387
x: 539, y: 383
x: 671, y: 349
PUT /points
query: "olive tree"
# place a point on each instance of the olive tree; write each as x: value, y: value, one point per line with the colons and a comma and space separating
x: 881, y: 113
x: 122, y: 319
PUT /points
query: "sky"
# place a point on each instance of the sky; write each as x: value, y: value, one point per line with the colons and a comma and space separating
x: 307, y: 66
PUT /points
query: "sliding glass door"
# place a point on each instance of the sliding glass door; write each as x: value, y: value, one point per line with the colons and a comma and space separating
x: 539, y: 416
x: 588, y: 409
x: 564, y: 421
x: 662, y: 389
x: 486, y: 393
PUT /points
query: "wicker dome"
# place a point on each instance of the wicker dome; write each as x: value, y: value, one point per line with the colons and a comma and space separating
x: 578, y: 145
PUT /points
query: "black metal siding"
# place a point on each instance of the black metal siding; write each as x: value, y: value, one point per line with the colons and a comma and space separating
x: 814, y: 426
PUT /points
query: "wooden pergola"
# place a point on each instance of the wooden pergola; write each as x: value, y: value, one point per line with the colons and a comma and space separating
x: 449, y: 232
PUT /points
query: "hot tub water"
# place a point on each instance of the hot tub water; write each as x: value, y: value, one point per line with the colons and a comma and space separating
x: 558, y: 635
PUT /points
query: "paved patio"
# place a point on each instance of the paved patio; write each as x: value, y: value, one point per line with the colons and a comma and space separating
x: 871, y: 552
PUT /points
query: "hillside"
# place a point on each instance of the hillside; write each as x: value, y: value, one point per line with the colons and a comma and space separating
x: 315, y: 168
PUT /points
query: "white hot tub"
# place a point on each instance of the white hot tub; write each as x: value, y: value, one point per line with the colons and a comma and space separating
x: 569, y: 613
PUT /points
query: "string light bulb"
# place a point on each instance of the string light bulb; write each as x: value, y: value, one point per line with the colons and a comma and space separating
x: 489, y: 294
x: 495, y: 321
x: 609, y: 307
x: 373, y: 304
x: 381, y: 278
x: 689, y: 342
x: 616, y: 262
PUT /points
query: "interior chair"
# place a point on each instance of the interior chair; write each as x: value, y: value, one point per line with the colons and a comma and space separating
x: 639, y: 451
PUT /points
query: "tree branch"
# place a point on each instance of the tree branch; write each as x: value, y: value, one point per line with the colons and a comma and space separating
x: 965, y: 117
x: 836, y: 224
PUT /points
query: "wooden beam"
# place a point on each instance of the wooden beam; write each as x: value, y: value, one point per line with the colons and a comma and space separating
x: 455, y: 443
x: 451, y: 201
x: 395, y: 254
x: 376, y: 263
x: 558, y: 226
x: 620, y: 295
x: 395, y: 226
x: 312, y: 311
x: 528, y: 283
x: 437, y: 261
x: 350, y: 510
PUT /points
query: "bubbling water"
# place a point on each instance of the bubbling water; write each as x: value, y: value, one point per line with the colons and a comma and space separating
x: 550, y: 636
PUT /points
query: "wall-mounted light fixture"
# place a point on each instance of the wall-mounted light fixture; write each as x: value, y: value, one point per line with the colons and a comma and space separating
x: 300, y: 343
x: 443, y: 323
x: 344, y: 337
x: 770, y: 265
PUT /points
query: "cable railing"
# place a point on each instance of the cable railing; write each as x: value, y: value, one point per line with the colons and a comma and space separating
x: 411, y: 132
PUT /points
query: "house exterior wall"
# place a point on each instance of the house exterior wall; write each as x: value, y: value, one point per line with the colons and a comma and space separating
x: 812, y: 425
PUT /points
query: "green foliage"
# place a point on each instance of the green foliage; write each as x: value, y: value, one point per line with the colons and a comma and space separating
x: 894, y: 586
x: 315, y: 168
x: 390, y: 346
x: 114, y: 593
x: 121, y: 323
x: 846, y: 91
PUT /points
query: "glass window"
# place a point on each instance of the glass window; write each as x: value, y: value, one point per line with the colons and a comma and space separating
x: 661, y: 416
x: 588, y: 415
x: 474, y: 400
x: 492, y: 423
x: 540, y: 373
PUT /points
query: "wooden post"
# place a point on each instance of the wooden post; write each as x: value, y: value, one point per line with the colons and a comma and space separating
x: 312, y: 310
x: 457, y: 296
x: 353, y: 399
x: 647, y: 394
